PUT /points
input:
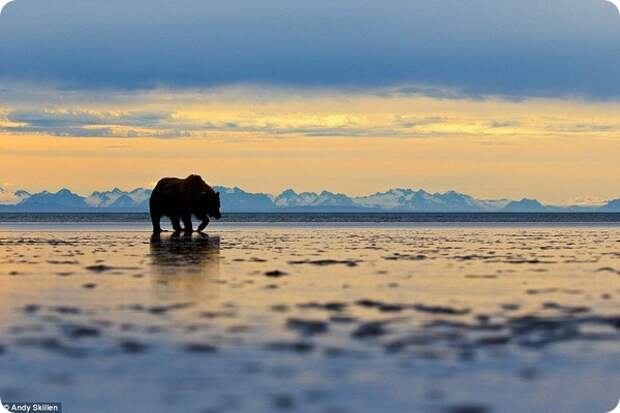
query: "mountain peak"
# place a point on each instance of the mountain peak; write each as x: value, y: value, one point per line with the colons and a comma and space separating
x: 288, y: 192
x: 612, y: 206
x: 525, y: 205
x: 529, y: 201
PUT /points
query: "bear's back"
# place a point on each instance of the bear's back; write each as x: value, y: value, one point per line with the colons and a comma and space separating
x: 179, y: 190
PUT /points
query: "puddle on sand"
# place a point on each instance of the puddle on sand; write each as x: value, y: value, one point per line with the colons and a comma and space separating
x: 328, y: 320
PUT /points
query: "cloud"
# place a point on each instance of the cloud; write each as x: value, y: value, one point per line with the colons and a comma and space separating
x: 443, y: 48
x: 92, y: 123
x: 84, y: 123
x: 66, y: 118
x: 238, y: 123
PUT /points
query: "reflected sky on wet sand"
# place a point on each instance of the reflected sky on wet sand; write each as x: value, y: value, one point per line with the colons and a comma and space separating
x: 319, y: 320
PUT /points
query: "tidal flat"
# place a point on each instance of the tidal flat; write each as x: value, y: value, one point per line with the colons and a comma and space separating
x: 329, y: 320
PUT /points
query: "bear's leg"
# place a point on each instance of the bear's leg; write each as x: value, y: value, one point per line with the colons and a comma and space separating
x: 187, y: 223
x: 204, y: 223
x: 176, y: 223
x: 155, y: 219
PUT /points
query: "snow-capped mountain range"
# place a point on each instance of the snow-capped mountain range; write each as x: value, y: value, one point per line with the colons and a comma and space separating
x: 238, y: 200
x: 117, y: 198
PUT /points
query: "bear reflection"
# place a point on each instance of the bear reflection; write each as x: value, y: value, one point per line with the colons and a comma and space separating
x: 187, y: 266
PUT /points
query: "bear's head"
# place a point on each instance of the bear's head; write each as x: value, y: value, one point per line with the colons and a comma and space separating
x: 211, y: 204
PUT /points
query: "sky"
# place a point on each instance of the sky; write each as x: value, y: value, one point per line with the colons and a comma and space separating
x: 498, y: 99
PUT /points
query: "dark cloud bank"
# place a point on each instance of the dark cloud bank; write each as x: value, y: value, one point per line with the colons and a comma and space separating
x: 514, y: 48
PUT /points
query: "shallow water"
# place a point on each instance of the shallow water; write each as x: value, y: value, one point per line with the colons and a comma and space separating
x: 321, y: 320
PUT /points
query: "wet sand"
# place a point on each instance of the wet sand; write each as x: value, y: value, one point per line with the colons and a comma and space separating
x: 447, y: 320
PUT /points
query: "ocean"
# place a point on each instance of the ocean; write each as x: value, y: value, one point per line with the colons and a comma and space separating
x: 137, y: 221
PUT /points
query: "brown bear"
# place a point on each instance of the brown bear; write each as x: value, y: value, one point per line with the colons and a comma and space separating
x: 178, y: 199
